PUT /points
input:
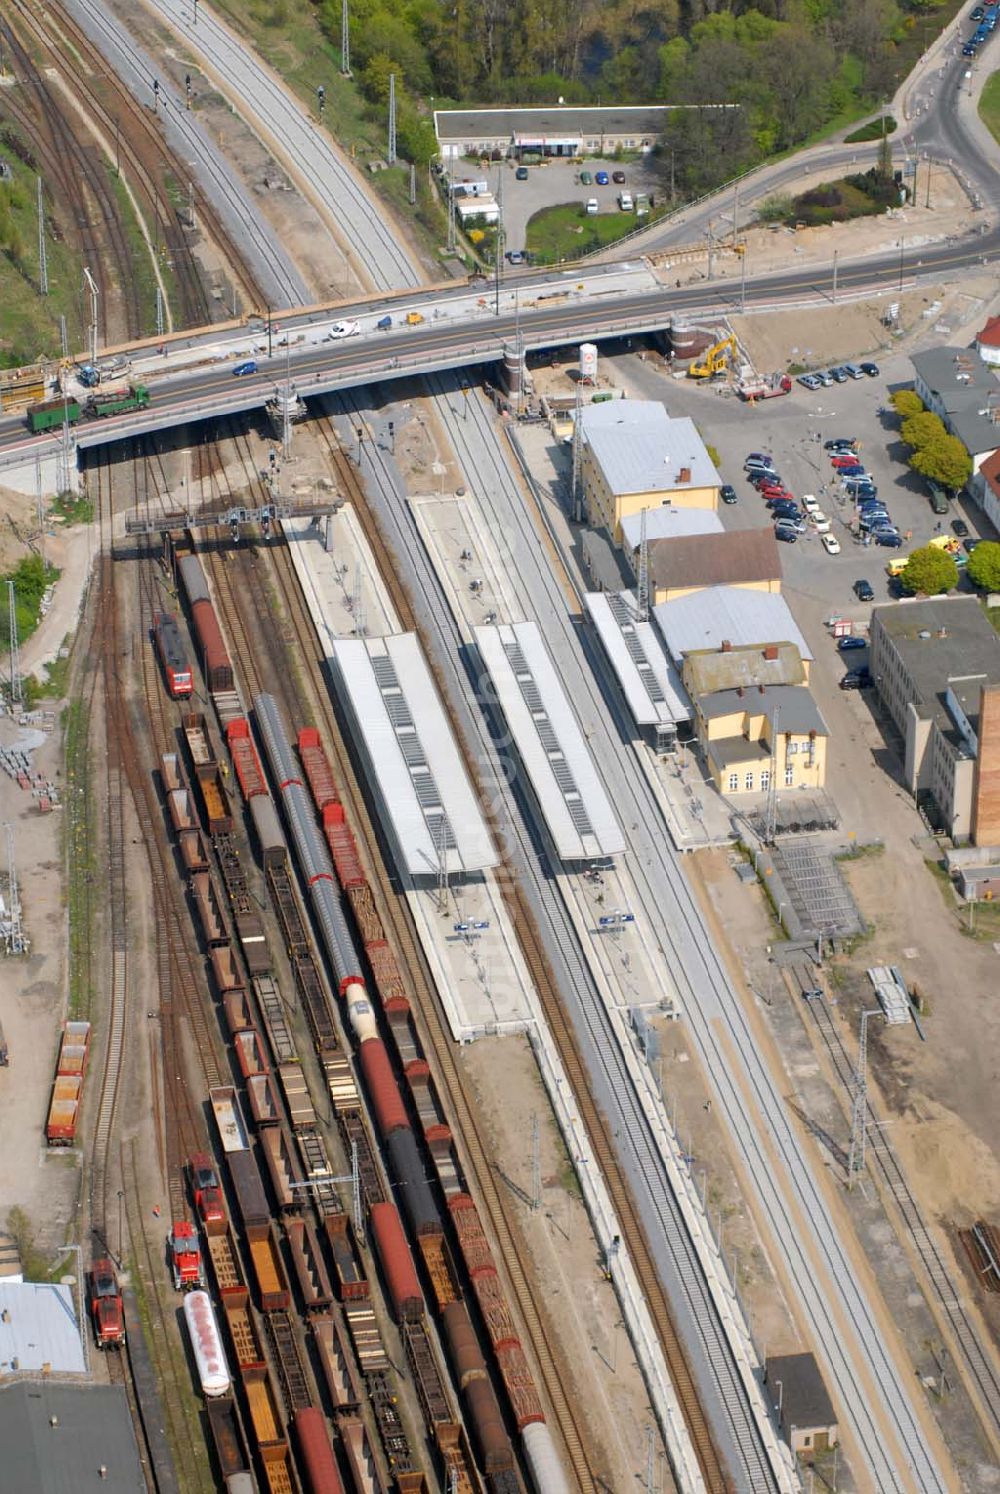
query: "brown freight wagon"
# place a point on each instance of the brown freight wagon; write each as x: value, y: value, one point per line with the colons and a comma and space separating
x: 262, y: 1101
x: 210, y: 918
x: 192, y: 849
x: 283, y: 1169
x: 272, y: 1283
x: 337, y: 1361
x: 243, y: 1334
x: 236, y: 1008
x: 307, y: 1262
x: 224, y: 971
x: 300, y: 1106
x: 349, y: 1273
x: 250, y: 1052
x: 316, y: 1452
x: 225, y: 1268
x: 251, y: 1200
x: 227, y: 1439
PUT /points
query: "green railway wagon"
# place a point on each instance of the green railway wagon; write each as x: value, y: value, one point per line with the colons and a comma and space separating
x: 51, y: 413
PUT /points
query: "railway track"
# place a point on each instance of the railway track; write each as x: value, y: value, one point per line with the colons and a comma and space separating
x: 309, y: 700
x: 117, y: 50
x: 83, y: 184
x: 598, y: 1127
x: 974, y: 1358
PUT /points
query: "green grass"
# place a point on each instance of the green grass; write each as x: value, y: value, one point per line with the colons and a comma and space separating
x: 989, y: 105
x: 977, y: 921
x: 29, y: 323
x: 30, y: 577
x: 143, y: 273
x: 871, y: 131
x: 70, y: 509
x: 569, y: 231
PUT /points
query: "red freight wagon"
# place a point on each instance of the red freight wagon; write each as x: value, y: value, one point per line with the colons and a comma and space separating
x: 314, y: 761
x: 340, y: 839
x: 397, y: 1263
x: 383, y: 1091
x: 245, y: 759
x: 173, y: 655
x: 214, y: 654
x: 316, y: 1459
x: 64, y: 1110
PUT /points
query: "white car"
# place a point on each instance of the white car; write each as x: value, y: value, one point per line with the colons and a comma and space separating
x: 593, y: 206
x: 820, y: 522
x: 831, y: 544
x: 343, y: 329
x: 810, y: 503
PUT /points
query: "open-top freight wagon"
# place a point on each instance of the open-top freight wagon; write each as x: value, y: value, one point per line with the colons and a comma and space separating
x: 52, y: 413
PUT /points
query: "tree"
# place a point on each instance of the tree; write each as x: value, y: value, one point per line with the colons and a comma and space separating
x: 945, y: 461
x: 984, y: 566
x: 929, y: 571
x: 922, y: 430
x: 907, y: 402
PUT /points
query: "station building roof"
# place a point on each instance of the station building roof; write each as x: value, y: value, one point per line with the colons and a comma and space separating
x: 428, y: 804
x: 552, y: 747
x: 532, y: 125
x: 57, y: 1439
x: 39, y: 1331
x: 733, y: 614
x: 641, y: 449
x: 668, y: 522
x: 647, y: 675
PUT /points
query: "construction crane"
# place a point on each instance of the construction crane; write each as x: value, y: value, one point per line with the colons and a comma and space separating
x: 715, y: 359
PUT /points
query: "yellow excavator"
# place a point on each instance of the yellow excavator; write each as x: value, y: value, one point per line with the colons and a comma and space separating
x: 714, y: 360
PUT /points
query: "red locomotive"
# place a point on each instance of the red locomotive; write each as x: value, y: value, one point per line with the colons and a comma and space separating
x: 106, y: 1305
x: 173, y: 657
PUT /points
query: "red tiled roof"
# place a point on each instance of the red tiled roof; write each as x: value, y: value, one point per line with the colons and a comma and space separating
x: 991, y: 469
x: 990, y: 335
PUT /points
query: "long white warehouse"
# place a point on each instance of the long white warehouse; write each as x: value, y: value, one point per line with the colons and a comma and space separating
x: 428, y: 807
x: 551, y: 746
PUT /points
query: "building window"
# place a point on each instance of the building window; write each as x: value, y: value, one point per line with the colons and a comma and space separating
x: 748, y: 782
x: 791, y: 747
x: 765, y: 780
x: 734, y: 782
x: 789, y: 777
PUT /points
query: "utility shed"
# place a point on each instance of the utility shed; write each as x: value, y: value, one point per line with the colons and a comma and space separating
x: 68, y: 1439
x: 805, y: 1411
x: 551, y: 746
x: 427, y: 804
x: 39, y: 1333
x: 647, y: 675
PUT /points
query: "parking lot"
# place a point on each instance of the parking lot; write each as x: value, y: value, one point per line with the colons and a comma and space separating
x: 793, y: 429
x: 555, y: 182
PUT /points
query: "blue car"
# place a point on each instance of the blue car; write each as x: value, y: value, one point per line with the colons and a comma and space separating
x: 846, y: 644
x: 249, y: 367
x: 602, y: 178
x: 891, y: 538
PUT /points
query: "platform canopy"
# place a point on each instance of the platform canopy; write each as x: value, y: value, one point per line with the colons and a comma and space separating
x: 647, y: 675
x: 550, y: 743
x: 428, y: 806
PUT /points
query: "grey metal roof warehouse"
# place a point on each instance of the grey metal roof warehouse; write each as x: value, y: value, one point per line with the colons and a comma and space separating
x: 39, y: 1329
x: 648, y: 677
x: 551, y: 745
x: 426, y: 800
x: 641, y: 449
x: 642, y: 122
x: 943, y: 641
x: 706, y: 619
x: 55, y: 1439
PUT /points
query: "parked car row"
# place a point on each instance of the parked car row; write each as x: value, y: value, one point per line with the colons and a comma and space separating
x: 874, y: 520
x: 838, y: 375
x: 987, y: 18
x: 790, y: 520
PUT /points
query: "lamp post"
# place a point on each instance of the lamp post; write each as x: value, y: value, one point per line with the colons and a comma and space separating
x: 121, y: 1196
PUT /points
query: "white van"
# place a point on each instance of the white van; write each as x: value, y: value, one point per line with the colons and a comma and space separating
x: 592, y: 205
x: 625, y: 202
x: 854, y: 371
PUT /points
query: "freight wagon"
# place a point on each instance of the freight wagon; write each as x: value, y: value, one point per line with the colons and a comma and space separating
x: 250, y: 1196
x: 67, y: 1088
x: 283, y: 1169
x: 315, y: 1453
x: 206, y: 1345
x: 349, y: 1274
x: 52, y: 413
x: 228, y: 1117
x: 227, y: 1439
x: 173, y: 655
x: 243, y: 1333
x: 215, y: 662
x: 307, y: 1261
x: 272, y: 1283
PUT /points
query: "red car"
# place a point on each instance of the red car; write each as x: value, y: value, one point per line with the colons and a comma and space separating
x: 847, y: 459
x: 774, y: 490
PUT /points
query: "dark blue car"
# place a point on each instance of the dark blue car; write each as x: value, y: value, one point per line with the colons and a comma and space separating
x: 846, y: 644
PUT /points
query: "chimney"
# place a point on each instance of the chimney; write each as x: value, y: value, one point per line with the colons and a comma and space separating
x: 739, y: 691
x: 760, y: 688
x: 684, y: 475
x: 727, y: 646
x: 771, y: 651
